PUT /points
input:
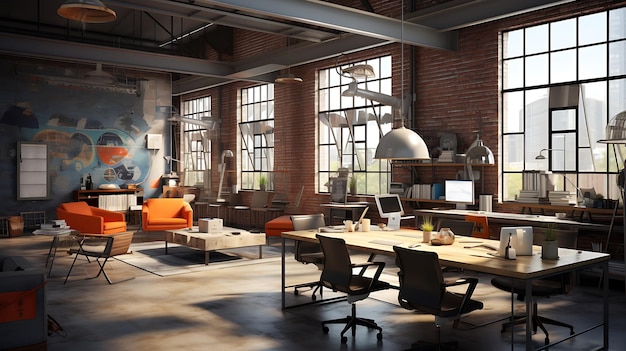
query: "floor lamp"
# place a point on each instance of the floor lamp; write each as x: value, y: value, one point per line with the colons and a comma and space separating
x: 222, y: 169
x: 616, y: 134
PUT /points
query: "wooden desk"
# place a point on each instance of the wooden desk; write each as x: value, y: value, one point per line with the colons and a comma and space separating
x: 572, y: 211
x: 457, y: 255
x: 515, y: 219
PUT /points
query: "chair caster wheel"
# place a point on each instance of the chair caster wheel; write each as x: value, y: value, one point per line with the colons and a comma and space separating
x: 344, y: 339
x: 313, y: 297
x: 379, y: 336
x: 547, y: 341
x: 296, y: 292
x: 325, y: 330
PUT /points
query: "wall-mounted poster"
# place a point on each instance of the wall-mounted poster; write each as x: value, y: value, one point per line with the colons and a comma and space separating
x: 338, y: 189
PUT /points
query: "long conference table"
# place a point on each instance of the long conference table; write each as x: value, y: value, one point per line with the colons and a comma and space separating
x: 465, y: 253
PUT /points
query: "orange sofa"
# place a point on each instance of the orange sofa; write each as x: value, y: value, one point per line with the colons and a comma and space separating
x: 165, y: 214
x: 93, y: 220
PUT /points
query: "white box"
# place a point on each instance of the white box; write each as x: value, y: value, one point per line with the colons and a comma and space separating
x: 210, y: 225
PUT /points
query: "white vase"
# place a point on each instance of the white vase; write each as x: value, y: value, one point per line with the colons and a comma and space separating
x: 550, y: 250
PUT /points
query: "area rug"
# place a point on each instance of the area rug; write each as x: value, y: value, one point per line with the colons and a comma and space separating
x: 151, y: 257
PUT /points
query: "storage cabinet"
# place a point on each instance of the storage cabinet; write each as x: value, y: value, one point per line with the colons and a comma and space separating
x: 32, y: 171
x: 92, y: 197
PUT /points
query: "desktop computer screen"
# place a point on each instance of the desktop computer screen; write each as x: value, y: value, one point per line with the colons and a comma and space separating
x: 390, y: 207
x: 460, y: 192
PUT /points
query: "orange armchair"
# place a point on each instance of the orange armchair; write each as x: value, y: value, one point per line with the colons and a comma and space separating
x: 93, y: 220
x: 165, y: 214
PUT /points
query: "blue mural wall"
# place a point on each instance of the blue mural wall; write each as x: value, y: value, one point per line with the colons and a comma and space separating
x: 92, y: 129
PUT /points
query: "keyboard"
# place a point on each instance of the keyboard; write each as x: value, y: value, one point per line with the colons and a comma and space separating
x: 385, y: 242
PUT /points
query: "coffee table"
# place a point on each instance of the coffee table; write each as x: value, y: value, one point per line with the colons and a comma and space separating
x: 227, y: 238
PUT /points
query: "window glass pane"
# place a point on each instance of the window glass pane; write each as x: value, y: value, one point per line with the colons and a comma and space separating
x: 536, y: 39
x: 617, y: 97
x: 536, y: 70
x: 617, y: 24
x: 563, y: 120
x: 563, y: 66
x: 592, y: 28
x: 617, y: 59
x: 592, y: 62
x: 591, y: 125
x: 563, y: 34
x: 536, y: 115
x: 513, y: 43
x: 513, y: 158
x: 513, y: 119
x: 513, y: 72
x: 513, y: 185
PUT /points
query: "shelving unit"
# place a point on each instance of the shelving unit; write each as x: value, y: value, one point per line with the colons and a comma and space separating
x: 91, y: 196
x: 32, y: 171
x: 433, y: 166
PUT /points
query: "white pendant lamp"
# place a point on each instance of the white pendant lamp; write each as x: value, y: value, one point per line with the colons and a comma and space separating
x: 402, y: 143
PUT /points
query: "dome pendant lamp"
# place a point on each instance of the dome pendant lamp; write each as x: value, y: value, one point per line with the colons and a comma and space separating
x: 288, y: 78
x: 402, y: 143
x: 86, y: 11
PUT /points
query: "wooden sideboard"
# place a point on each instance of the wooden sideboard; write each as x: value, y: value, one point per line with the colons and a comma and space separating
x: 92, y: 197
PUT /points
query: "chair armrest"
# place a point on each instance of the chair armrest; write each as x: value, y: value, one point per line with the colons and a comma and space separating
x: 472, y: 282
x: 81, y: 222
x: 108, y: 215
x: 364, y: 266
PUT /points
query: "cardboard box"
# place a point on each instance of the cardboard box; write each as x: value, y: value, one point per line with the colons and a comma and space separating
x: 210, y: 225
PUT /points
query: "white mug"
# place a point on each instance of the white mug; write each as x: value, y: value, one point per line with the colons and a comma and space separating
x: 365, y: 224
x: 349, y: 225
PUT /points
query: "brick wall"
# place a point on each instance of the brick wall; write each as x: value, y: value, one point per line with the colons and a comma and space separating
x: 456, y: 91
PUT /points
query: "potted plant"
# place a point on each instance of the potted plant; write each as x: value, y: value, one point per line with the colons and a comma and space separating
x: 427, y: 228
x: 262, y: 182
x: 549, y: 245
x: 353, y: 186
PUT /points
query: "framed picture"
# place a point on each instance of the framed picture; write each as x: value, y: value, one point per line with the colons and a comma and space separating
x: 338, y: 189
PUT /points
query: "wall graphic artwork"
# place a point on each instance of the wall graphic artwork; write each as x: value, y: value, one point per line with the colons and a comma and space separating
x: 90, y: 130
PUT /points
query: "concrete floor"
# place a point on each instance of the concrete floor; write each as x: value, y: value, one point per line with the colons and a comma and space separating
x: 237, y: 306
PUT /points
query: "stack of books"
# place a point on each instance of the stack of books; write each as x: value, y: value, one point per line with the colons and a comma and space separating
x: 55, y: 227
x: 562, y: 198
x: 531, y: 197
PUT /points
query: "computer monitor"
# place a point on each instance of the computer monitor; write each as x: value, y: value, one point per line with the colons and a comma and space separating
x: 460, y: 192
x: 390, y: 207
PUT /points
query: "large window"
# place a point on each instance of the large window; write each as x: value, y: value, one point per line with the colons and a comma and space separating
x: 562, y: 82
x: 257, y: 136
x: 196, y: 146
x: 350, y: 127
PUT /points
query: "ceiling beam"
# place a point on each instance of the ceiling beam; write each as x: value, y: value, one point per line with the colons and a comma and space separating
x: 345, y: 19
x: 65, y: 50
x: 457, y: 14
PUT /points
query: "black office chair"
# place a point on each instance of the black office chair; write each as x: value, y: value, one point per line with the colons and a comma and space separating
x: 306, y: 252
x: 423, y: 288
x: 339, y: 275
x: 556, y: 285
